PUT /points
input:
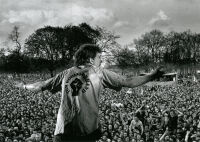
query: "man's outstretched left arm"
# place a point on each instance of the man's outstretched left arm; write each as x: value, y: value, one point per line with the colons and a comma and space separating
x: 35, y: 87
x: 52, y: 84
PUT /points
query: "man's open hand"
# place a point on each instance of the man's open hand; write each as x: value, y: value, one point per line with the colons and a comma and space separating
x: 158, y: 73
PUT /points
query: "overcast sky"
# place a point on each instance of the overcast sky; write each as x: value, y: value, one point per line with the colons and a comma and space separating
x: 127, y: 18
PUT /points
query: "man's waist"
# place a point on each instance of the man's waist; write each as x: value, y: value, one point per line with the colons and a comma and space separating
x: 80, y: 128
x: 95, y: 135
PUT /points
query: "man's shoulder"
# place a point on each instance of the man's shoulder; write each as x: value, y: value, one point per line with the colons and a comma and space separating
x: 69, y: 70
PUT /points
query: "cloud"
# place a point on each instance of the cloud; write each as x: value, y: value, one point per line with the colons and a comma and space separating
x: 33, y: 18
x: 127, y: 18
x: 24, y: 16
x: 121, y: 24
x: 89, y: 14
x: 69, y: 14
x: 160, y: 20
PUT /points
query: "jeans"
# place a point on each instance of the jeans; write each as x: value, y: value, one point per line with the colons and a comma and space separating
x: 94, y: 136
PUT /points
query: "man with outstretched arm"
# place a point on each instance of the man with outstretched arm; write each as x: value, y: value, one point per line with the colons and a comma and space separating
x: 81, y: 85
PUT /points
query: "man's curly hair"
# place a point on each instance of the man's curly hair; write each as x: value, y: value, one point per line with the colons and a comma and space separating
x: 84, y: 53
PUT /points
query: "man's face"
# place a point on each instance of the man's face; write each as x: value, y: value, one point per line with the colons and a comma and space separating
x: 97, y: 60
x: 133, y: 140
x: 109, y: 127
x: 156, y: 140
x: 167, y: 138
x: 172, y: 113
x: 136, y: 118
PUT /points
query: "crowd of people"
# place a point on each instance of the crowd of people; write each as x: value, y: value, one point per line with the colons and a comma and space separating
x: 26, y: 115
x: 143, y: 114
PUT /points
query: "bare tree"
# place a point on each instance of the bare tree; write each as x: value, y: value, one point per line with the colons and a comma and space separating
x: 14, y: 36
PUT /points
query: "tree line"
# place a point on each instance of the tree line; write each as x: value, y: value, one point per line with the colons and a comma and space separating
x: 155, y: 47
x: 49, y: 48
x: 52, y: 47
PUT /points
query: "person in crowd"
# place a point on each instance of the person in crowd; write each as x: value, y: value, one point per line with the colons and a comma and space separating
x: 136, y: 125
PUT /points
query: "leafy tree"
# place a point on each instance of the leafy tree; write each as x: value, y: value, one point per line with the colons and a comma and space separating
x: 125, y: 57
x: 152, y: 43
x: 57, y: 45
x: 141, y: 53
x: 196, y: 48
x: 2, y: 52
x: 181, y: 47
x: 43, y: 44
x: 77, y: 35
x: 107, y: 41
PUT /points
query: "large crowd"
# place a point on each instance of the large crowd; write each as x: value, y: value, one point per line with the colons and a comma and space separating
x: 143, y: 114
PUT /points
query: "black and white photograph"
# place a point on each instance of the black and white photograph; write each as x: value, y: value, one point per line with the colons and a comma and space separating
x: 99, y: 71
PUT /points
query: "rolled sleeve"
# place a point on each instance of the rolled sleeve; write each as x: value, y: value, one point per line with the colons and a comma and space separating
x: 54, y: 84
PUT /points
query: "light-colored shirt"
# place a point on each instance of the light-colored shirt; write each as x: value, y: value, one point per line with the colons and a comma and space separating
x: 81, y: 87
x: 136, y: 126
